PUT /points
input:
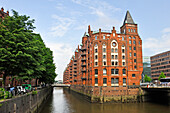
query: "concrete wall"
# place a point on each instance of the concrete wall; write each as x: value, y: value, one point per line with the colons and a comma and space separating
x: 27, y: 103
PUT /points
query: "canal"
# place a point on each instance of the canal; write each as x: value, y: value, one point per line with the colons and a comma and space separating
x: 63, y: 101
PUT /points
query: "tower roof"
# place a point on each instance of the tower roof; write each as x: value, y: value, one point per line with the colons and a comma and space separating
x: 128, y: 19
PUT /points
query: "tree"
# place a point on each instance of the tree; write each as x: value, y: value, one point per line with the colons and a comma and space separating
x: 22, y: 52
x: 147, y: 78
x: 161, y: 76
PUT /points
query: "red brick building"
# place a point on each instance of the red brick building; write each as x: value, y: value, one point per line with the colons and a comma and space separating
x: 160, y: 63
x: 107, y: 58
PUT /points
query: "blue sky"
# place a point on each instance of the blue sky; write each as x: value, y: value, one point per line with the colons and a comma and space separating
x: 62, y: 23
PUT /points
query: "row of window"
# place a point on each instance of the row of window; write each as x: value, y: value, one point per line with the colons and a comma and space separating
x: 132, y: 30
x: 112, y: 57
x: 113, y: 80
x: 113, y: 71
x: 162, y: 67
x: 163, y: 55
x: 159, y: 60
x: 113, y: 63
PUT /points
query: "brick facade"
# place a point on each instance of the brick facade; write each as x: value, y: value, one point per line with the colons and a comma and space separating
x: 107, y: 58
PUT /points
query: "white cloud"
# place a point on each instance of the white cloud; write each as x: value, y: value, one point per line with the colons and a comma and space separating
x: 62, y: 53
x: 61, y: 26
x: 157, y: 45
x: 166, y: 30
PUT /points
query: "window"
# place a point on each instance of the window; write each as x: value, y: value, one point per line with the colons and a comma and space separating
x: 134, y: 42
x: 116, y: 63
x: 104, y: 80
x: 114, y: 44
x: 134, y: 60
x: 104, y: 71
x: 124, y: 71
x: 95, y: 37
x: 139, y: 42
x: 134, y: 54
x: 135, y: 67
x: 95, y: 56
x: 104, y: 63
x: 112, y: 71
x: 112, y: 56
x: 117, y: 71
x: 112, y: 63
x: 130, y: 48
x: 130, y: 42
x: 134, y: 48
x: 112, y: 50
x: 96, y: 63
x: 133, y: 75
x: 104, y: 56
x: 123, y: 38
x: 123, y: 63
x: 114, y: 80
x: 134, y: 84
x: 129, y: 30
x: 134, y: 30
x: 103, y: 36
x: 130, y: 54
x: 116, y: 50
x: 96, y: 80
x: 134, y: 38
x: 123, y: 51
x: 115, y: 56
x: 96, y: 45
x: 95, y: 50
x: 96, y: 71
x: 124, y: 80
x: 123, y: 57
x: 130, y: 38
x: 104, y: 49
x: 117, y: 80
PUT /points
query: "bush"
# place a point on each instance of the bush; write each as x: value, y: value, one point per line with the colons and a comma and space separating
x: 34, y: 92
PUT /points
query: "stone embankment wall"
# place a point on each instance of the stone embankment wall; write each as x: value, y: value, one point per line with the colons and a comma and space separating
x: 28, y: 103
x: 109, y: 94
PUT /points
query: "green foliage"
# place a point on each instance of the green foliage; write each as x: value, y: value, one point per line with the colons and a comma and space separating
x: 22, y: 52
x: 147, y: 78
x: 161, y: 76
x: 34, y: 92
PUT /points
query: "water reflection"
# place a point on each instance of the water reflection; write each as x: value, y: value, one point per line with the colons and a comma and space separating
x: 63, y: 101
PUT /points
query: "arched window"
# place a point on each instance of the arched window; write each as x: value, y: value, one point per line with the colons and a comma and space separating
x: 104, y: 71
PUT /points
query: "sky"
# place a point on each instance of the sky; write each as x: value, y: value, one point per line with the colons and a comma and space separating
x: 62, y: 23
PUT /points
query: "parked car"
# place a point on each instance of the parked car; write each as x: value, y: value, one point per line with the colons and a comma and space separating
x: 28, y: 87
x: 21, y: 90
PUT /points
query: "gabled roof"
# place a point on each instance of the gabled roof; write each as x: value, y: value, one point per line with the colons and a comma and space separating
x: 128, y: 19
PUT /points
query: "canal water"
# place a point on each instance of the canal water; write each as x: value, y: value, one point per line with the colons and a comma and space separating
x: 63, y: 101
